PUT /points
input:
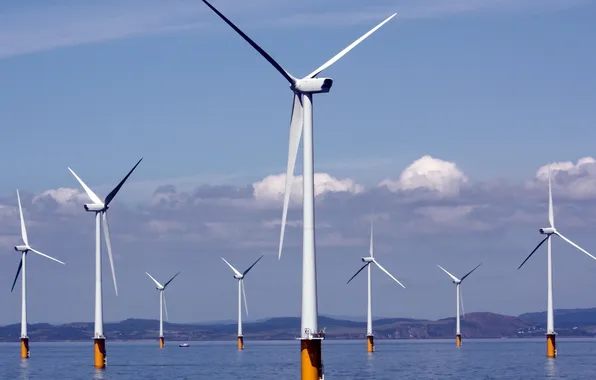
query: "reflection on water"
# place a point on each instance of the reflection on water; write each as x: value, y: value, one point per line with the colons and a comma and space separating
x: 551, y: 369
x: 24, y: 369
x: 98, y: 374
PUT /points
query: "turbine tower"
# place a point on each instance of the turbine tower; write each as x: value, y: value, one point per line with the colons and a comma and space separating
x: 301, y: 123
x: 24, y: 249
x: 551, y: 348
x: 100, y: 209
x: 241, y: 292
x: 370, y: 343
x: 458, y: 300
x: 162, y: 305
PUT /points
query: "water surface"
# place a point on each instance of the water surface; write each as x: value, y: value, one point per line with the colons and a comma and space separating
x: 273, y: 360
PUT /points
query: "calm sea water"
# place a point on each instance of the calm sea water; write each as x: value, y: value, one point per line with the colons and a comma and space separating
x: 476, y: 359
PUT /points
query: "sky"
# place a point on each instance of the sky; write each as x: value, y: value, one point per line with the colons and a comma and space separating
x: 438, y: 129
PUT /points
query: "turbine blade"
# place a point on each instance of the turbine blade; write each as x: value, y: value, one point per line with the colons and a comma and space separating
x: 575, y: 245
x: 113, y: 193
x: 470, y: 272
x: 170, y: 280
x: 347, y: 49
x: 277, y: 66
x: 44, y: 255
x: 388, y: 274
x: 244, y: 296
x: 94, y: 198
x: 154, y: 280
x: 165, y: 306
x: 551, y: 213
x: 450, y: 275
x: 106, y: 235
x: 535, y: 249
x: 234, y: 269
x: 23, y: 229
x: 359, y: 270
x: 371, y: 247
x: 296, y: 124
x: 18, y: 272
x: 250, y: 267
x: 461, y: 301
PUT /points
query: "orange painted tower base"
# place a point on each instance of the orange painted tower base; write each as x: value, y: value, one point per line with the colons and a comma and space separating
x: 370, y: 343
x: 241, y: 343
x: 551, y: 347
x: 458, y: 340
x: 100, y: 353
x: 311, y: 359
x: 24, y: 348
x: 162, y: 342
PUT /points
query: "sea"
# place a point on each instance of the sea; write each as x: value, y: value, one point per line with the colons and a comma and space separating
x: 274, y: 360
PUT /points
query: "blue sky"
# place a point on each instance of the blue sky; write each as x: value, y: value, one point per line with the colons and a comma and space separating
x: 498, y: 87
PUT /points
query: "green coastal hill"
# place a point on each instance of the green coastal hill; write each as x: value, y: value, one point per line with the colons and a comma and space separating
x: 569, y: 322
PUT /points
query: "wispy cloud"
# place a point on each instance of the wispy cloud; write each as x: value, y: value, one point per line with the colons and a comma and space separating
x: 343, y: 14
x: 53, y: 26
x: 30, y: 29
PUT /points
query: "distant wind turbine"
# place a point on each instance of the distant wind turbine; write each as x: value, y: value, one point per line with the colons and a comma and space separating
x: 162, y: 305
x: 458, y: 300
x: 241, y: 294
x: 24, y: 249
x: 370, y: 344
x: 302, y: 121
x: 551, y: 350
x: 100, y: 209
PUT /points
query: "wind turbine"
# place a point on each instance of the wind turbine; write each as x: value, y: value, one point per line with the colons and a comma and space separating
x: 241, y: 292
x: 302, y: 121
x: 551, y: 350
x: 24, y: 249
x: 100, y: 209
x: 162, y: 305
x: 370, y: 344
x: 458, y: 300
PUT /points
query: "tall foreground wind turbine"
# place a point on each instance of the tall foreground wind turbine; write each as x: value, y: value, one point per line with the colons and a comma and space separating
x: 302, y: 121
x: 458, y: 301
x: 241, y: 292
x: 24, y: 248
x: 551, y: 349
x: 370, y: 344
x: 100, y: 209
x: 162, y: 305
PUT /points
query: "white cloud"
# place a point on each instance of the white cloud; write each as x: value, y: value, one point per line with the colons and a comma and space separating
x: 272, y: 188
x: 443, y: 177
x: 574, y: 180
x: 63, y: 196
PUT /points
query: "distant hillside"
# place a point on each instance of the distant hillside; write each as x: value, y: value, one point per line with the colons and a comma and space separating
x: 574, y: 322
x: 568, y: 322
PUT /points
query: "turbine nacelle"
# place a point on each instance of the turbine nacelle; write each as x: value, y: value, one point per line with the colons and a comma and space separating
x: 367, y: 259
x: 21, y: 248
x: 237, y: 277
x: 312, y: 85
x: 95, y: 207
x: 548, y: 231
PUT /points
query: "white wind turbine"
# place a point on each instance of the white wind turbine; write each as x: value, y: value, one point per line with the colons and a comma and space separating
x: 100, y: 209
x: 302, y: 120
x: 162, y: 305
x: 241, y: 293
x: 370, y: 260
x: 24, y: 249
x: 458, y: 299
x: 551, y: 350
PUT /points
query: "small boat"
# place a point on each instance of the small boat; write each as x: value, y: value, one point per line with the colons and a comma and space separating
x: 183, y: 345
